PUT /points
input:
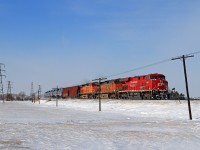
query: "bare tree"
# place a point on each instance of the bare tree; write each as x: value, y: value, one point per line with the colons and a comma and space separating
x: 21, y: 96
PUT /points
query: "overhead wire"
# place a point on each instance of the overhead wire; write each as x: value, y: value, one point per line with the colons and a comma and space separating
x: 139, y: 68
x: 146, y: 66
x: 197, y: 52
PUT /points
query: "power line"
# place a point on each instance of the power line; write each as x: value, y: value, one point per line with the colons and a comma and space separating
x: 197, y: 52
x: 150, y: 65
x: 139, y: 68
x: 186, y: 55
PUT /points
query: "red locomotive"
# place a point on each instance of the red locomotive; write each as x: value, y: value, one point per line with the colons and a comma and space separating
x: 151, y: 86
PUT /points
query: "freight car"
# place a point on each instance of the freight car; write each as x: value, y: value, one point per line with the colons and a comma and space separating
x: 70, y: 92
x: 151, y: 86
x: 56, y: 92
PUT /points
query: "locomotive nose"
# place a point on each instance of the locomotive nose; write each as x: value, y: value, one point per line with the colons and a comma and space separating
x: 163, y: 85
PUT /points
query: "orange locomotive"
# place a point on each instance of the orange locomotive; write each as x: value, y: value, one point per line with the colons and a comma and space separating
x: 110, y: 89
x: 88, y: 90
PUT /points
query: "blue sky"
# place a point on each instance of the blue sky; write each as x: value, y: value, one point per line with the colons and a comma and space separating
x: 65, y: 42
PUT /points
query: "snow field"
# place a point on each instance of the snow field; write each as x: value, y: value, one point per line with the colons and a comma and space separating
x: 77, y: 124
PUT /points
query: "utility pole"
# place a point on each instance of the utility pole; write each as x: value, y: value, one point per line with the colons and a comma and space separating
x: 32, y: 93
x: 1, y: 81
x: 99, y: 79
x: 39, y: 93
x: 9, y: 93
x: 186, y: 81
x: 56, y: 95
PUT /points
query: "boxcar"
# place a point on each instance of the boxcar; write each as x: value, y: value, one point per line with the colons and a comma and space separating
x: 70, y: 92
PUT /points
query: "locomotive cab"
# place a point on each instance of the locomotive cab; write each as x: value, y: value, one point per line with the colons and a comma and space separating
x: 159, y: 86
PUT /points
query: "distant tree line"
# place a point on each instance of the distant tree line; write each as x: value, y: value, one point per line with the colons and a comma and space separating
x: 175, y: 95
x: 180, y: 96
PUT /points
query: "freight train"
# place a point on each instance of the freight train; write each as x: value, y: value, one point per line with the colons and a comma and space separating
x: 150, y: 86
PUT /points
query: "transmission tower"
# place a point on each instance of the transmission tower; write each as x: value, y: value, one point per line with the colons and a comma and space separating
x: 9, y: 93
x: 1, y: 81
x: 39, y: 93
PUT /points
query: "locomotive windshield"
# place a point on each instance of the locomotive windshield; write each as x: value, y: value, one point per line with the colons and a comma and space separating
x: 95, y: 84
x: 162, y: 77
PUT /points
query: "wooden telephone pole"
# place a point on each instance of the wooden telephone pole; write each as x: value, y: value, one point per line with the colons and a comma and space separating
x: 99, y: 79
x: 186, y: 81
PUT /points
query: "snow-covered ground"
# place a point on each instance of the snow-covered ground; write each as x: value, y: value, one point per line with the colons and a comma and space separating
x: 77, y: 124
